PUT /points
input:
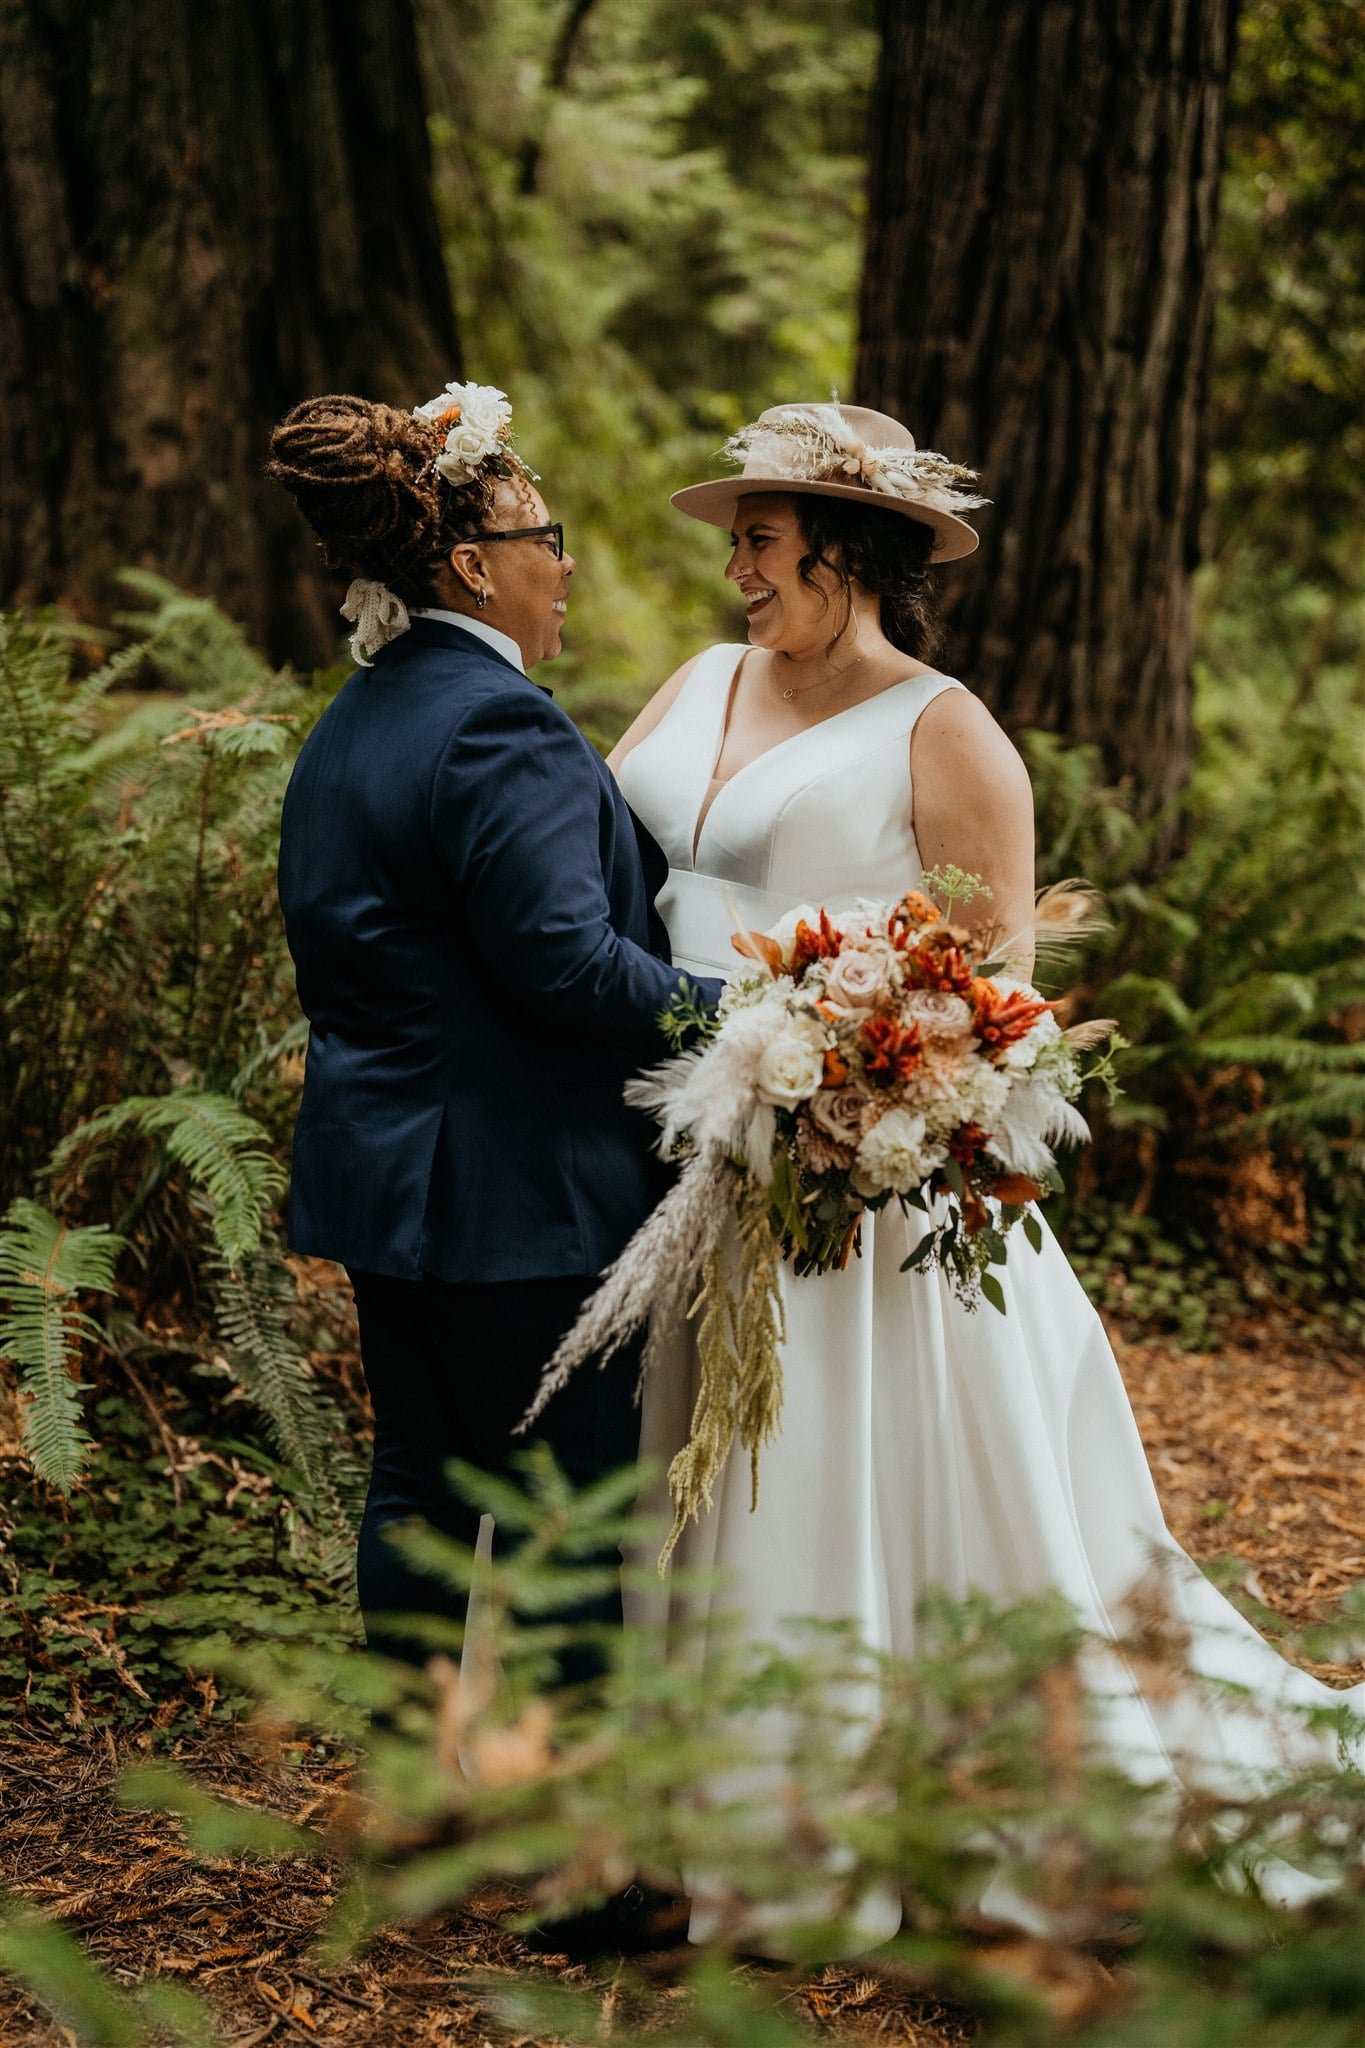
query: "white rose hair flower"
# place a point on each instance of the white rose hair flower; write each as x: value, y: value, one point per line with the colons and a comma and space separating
x: 478, y: 423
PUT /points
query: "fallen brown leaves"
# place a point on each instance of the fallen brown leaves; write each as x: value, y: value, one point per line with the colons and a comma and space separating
x: 1257, y: 1452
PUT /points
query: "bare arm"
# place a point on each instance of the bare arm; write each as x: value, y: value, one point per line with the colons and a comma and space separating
x: 650, y: 716
x: 974, y: 810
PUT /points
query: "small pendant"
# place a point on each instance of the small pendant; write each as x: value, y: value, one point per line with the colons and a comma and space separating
x: 787, y: 696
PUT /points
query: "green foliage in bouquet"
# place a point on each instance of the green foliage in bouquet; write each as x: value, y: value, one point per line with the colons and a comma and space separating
x: 740, y: 1330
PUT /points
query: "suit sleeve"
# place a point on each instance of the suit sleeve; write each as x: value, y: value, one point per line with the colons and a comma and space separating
x: 517, y: 814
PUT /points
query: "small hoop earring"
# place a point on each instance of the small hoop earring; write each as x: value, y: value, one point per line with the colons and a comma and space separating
x: 481, y: 599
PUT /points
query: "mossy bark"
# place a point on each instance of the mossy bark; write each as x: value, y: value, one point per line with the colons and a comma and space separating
x: 206, y: 213
x: 1037, y: 301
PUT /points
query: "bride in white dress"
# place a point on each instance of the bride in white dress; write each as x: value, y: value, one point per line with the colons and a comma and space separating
x: 922, y: 1445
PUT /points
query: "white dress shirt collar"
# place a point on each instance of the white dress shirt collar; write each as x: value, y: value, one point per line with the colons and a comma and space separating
x: 501, y: 643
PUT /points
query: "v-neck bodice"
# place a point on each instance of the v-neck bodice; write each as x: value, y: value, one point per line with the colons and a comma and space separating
x: 824, y: 816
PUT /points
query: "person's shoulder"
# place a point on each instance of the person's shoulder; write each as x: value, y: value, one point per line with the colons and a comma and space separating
x: 959, y: 734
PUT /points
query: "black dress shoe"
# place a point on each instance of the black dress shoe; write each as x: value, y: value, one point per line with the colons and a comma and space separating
x: 630, y: 1923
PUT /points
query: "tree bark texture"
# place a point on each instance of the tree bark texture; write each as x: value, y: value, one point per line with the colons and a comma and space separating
x: 1037, y: 300
x: 209, y: 209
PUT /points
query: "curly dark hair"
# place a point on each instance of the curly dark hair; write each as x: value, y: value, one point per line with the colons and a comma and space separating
x: 886, y: 552
x: 364, y: 477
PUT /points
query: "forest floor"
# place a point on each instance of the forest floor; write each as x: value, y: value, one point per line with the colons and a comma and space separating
x: 1257, y: 1453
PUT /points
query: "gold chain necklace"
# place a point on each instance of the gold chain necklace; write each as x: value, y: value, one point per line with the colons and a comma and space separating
x: 791, y: 692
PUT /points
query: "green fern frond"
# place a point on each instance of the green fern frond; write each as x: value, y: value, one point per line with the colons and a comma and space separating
x: 189, y: 641
x: 44, y: 1267
x: 219, y: 1145
x: 254, y: 1304
x: 1285, y: 1055
x: 1332, y: 1102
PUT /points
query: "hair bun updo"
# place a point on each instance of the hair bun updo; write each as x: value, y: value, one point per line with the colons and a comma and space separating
x: 363, y: 475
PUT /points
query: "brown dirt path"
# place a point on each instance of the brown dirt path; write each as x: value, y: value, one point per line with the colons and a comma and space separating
x: 1257, y: 1452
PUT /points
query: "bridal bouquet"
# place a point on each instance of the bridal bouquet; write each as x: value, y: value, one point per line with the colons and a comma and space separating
x: 882, y: 1058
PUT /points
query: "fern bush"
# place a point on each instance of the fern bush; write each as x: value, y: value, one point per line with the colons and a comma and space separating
x: 1237, y: 970
x: 140, y: 946
x: 150, y: 1054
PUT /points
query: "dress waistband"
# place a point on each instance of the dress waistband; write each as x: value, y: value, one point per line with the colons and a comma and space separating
x: 702, y: 911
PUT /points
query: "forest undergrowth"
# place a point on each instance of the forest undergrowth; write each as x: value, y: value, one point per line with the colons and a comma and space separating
x: 1259, y: 1470
x: 180, y: 1522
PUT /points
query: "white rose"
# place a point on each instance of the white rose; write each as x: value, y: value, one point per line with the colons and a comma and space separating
x: 895, y: 1154
x: 469, y: 444
x: 437, y: 408
x: 485, y: 407
x: 792, y: 1066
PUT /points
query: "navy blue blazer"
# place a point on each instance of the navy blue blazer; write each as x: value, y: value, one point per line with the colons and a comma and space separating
x: 469, y: 902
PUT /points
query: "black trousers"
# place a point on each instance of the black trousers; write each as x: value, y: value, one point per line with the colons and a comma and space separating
x: 451, y: 1370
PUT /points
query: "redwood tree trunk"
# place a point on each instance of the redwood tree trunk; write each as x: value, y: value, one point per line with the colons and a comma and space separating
x: 206, y: 213
x: 1037, y: 300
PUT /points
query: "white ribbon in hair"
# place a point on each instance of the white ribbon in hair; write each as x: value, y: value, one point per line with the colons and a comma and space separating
x: 378, y: 615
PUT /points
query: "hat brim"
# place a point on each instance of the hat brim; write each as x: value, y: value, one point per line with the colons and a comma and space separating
x: 715, y: 504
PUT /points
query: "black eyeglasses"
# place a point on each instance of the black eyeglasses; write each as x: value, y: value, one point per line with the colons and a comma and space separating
x: 554, y: 533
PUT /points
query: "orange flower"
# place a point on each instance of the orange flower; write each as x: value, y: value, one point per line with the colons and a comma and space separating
x: 1015, y: 1188
x: 815, y: 944
x: 912, y: 912
x: 890, y: 1052
x: 836, y: 1069
x: 1001, y: 1018
x: 965, y: 1145
x: 942, y: 961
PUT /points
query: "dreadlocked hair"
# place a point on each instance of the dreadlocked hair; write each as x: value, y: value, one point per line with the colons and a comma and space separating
x: 364, y: 477
x: 886, y: 552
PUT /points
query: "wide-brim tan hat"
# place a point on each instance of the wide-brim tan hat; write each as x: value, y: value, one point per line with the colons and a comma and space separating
x: 842, y: 451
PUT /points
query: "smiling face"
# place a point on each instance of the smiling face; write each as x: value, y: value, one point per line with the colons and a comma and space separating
x: 786, y: 614
x: 526, y: 589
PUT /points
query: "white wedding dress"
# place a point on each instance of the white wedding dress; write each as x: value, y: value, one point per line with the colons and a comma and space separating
x: 923, y: 1445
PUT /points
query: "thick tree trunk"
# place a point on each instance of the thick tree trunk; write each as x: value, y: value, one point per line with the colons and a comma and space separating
x: 207, y: 212
x: 1037, y: 301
